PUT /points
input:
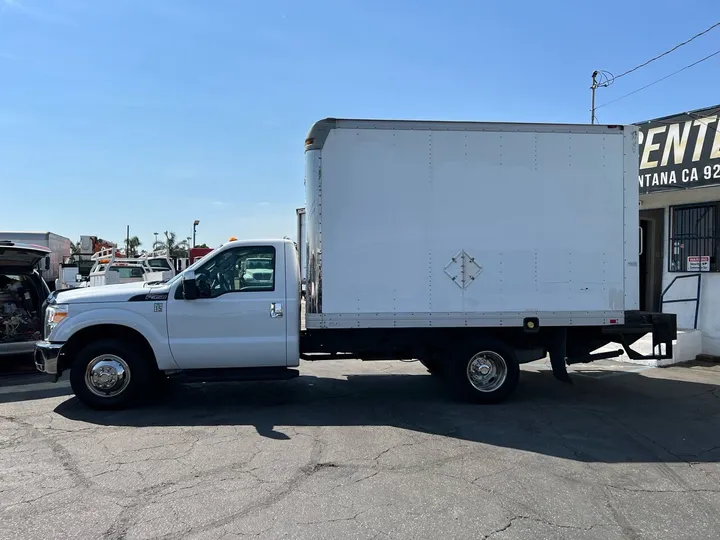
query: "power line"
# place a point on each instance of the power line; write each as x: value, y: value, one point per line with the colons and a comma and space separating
x: 665, y: 53
x: 659, y: 80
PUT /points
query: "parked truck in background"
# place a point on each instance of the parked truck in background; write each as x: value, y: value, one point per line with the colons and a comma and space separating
x: 197, y: 253
x: 59, y: 246
x: 83, y: 258
x: 75, y: 270
x: 22, y: 296
x: 472, y: 247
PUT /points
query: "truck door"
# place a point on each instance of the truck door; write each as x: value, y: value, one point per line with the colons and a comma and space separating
x: 238, y: 320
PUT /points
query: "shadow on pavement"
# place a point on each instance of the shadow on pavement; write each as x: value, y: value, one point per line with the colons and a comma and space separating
x: 31, y: 386
x: 29, y: 395
x: 629, y: 418
x: 17, y: 364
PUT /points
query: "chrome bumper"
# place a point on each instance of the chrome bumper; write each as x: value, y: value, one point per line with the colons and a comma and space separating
x: 46, y: 357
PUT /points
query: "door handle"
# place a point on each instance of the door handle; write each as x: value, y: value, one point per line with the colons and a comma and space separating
x: 276, y: 310
x: 642, y: 247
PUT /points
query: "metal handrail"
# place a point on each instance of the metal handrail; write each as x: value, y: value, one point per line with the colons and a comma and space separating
x: 696, y: 299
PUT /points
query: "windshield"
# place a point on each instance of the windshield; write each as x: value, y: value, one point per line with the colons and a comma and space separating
x: 128, y: 272
x: 255, y: 264
x: 159, y: 263
x: 193, y: 266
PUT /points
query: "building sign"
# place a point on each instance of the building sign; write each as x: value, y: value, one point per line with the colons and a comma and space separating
x: 680, y: 151
x: 698, y: 263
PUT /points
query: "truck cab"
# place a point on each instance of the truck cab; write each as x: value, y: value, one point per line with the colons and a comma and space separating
x: 237, y: 307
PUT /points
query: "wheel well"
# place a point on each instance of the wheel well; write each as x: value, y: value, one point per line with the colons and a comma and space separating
x: 104, y: 331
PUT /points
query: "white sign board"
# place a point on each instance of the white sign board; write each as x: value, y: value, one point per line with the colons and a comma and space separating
x: 698, y: 263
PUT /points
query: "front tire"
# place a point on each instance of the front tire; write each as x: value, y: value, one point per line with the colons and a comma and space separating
x: 484, y: 373
x: 110, y: 374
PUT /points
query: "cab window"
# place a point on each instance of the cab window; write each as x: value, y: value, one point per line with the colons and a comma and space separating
x: 241, y: 269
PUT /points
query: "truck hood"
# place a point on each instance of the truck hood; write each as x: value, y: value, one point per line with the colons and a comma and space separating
x: 124, y: 292
x: 20, y: 256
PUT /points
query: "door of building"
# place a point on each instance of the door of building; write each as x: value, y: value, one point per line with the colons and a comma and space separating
x: 651, y: 258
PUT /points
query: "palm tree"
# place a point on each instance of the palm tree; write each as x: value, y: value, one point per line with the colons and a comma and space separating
x: 132, y: 246
x: 75, y: 248
x: 175, y: 249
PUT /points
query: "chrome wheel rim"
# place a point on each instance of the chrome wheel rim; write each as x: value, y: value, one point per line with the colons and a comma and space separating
x: 487, y: 371
x: 107, y: 375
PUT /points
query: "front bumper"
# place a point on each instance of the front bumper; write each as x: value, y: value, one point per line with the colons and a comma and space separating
x: 46, y: 357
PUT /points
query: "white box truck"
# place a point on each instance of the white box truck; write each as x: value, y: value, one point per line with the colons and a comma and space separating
x: 59, y: 246
x: 472, y: 247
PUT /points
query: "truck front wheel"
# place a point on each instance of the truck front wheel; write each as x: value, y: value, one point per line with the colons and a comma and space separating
x: 486, y: 373
x: 109, y: 374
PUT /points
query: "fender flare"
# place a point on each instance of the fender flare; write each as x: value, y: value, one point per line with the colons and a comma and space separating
x: 119, y: 317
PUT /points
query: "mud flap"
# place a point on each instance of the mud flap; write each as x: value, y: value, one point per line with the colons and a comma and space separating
x: 558, y: 354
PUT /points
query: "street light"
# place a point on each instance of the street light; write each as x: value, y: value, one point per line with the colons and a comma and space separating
x: 195, y: 224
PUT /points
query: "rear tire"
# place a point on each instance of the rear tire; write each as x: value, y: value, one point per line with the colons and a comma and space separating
x: 486, y: 372
x: 110, y: 374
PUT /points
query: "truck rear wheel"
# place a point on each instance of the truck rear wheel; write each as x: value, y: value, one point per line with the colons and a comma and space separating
x: 484, y: 373
x: 108, y: 374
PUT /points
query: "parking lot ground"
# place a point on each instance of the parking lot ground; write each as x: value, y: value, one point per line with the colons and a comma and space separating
x: 375, y: 450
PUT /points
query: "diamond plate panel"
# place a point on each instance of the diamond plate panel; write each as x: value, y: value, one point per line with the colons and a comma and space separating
x: 462, y: 269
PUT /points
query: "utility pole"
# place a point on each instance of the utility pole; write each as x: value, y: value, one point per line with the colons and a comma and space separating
x: 195, y: 224
x: 127, y: 242
x: 592, y: 90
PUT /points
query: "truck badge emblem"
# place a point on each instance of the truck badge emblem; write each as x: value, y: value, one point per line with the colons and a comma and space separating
x: 158, y: 307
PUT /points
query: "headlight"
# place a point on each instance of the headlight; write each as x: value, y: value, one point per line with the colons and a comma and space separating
x: 56, y: 313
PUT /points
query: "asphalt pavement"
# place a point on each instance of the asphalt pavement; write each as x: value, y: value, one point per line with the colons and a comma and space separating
x: 375, y: 450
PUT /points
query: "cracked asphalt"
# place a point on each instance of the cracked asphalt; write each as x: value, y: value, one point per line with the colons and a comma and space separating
x: 375, y: 450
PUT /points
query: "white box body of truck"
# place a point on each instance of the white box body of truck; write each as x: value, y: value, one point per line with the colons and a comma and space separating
x: 472, y: 224
x: 59, y: 246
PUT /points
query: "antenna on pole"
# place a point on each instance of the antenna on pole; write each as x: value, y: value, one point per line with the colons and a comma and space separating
x: 600, y: 79
x: 592, y: 93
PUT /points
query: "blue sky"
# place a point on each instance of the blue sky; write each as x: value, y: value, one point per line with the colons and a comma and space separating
x: 154, y: 113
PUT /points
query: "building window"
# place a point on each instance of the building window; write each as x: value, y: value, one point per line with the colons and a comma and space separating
x: 694, y: 238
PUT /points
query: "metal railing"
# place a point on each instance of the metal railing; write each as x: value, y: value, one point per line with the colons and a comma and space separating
x: 676, y: 300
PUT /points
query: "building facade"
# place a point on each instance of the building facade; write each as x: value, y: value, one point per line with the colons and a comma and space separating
x: 679, y: 185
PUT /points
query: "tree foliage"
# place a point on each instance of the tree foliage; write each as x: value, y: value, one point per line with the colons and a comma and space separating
x: 176, y: 249
x: 132, y: 246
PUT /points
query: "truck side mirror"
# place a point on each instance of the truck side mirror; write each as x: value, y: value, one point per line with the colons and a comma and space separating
x: 190, y: 290
x: 47, y: 263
